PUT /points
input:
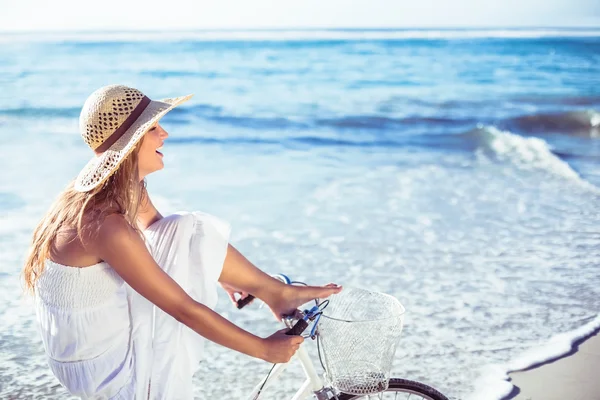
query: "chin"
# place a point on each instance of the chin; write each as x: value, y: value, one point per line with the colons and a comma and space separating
x: 158, y: 168
x: 147, y: 171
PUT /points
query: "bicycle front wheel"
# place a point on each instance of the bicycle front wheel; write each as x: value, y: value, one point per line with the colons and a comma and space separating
x: 400, y: 389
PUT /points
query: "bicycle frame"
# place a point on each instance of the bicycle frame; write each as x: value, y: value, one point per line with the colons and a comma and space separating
x: 313, y: 383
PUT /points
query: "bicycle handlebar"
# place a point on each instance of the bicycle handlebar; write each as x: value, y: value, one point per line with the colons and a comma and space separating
x: 296, y: 330
x: 241, y: 303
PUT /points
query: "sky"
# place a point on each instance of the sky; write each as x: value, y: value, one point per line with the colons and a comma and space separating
x: 149, y: 15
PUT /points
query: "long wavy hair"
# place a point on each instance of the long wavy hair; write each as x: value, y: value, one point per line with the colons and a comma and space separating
x: 122, y: 193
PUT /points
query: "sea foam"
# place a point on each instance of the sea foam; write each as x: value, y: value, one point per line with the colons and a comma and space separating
x: 526, y: 153
x: 493, y: 383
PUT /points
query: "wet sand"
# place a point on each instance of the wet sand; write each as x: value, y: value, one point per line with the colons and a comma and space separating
x: 575, y: 375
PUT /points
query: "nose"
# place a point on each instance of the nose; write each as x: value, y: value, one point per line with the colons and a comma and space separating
x: 163, y: 134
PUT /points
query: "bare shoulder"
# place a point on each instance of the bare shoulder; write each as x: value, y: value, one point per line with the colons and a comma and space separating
x: 114, y: 224
x: 113, y: 231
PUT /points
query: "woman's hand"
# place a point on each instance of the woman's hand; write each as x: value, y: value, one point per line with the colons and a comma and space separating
x: 231, y: 292
x: 280, y: 348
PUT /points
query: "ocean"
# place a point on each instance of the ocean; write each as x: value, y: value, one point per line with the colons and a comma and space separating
x: 456, y: 170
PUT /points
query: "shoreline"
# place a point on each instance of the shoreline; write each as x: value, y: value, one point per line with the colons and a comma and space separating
x: 573, y: 374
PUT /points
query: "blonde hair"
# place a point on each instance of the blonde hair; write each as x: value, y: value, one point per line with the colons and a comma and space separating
x: 121, y: 194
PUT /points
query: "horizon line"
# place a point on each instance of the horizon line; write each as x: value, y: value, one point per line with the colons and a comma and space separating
x: 309, y: 29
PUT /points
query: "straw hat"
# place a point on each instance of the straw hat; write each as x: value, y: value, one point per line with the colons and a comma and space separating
x: 113, y: 119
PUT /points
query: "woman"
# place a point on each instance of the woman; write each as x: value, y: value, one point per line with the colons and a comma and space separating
x: 123, y: 295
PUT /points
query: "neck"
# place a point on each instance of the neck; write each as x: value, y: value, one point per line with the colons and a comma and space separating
x: 147, y: 214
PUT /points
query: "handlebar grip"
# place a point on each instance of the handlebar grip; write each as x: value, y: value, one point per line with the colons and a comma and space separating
x: 298, y: 328
x: 241, y: 303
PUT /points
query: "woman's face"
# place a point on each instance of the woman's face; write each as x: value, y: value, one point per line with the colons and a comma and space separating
x: 149, y: 158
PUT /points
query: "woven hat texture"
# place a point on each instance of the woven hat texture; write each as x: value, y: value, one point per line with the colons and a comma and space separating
x: 112, y: 121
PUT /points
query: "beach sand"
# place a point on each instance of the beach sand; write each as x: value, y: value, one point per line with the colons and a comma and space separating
x: 573, y: 376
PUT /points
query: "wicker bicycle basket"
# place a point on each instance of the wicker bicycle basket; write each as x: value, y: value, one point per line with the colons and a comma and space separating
x: 359, y: 331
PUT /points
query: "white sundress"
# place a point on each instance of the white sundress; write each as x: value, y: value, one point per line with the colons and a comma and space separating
x: 105, y: 341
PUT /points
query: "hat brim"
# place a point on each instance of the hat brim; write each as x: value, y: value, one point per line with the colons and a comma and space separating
x: 101, y: 167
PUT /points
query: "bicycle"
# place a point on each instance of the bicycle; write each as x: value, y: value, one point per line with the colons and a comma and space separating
x: 313, y: 385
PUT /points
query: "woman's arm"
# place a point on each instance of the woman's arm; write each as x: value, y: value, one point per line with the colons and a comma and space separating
x: 121, y: 247
x: 239, y: 273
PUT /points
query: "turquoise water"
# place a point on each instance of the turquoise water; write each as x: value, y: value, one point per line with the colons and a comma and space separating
x: 455, y: 170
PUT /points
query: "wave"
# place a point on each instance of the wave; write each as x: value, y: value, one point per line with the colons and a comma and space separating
x: 487, y: 143
x: 352, y: 122
x: 485, y: 140
x: 178, y: 74
x: 560, y: 101
x: 524, y: 153
x: 217, y: 114
x: 258, y: 122
x: 575, y: 123
x: 579, y: 123
x: 377, y: 122
x: 34, y: 112
x: 313, y: 141
x: 378, y: 130
x: 198, y: 109
x: 493, y: 383
x: 213, y: 140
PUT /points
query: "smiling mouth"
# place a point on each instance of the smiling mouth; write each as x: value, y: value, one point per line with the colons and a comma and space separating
x: 158, y: 152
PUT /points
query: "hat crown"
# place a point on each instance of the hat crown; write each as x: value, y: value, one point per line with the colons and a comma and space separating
x: 105, y: 110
